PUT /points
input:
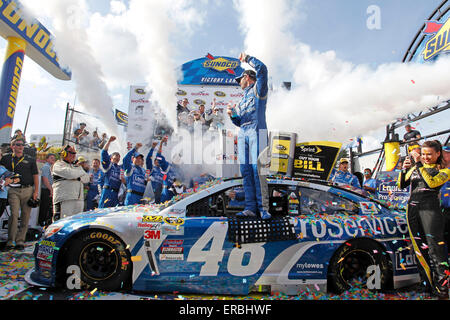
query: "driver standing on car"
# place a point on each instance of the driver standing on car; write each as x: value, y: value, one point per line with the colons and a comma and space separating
x: 250, y: 116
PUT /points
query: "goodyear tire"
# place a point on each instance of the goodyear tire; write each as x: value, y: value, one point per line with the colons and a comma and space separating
x: 351, y: 262
x: 102, y: 258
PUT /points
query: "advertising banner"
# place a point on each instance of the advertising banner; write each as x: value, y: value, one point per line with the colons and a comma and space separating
x: 211, y: 70
x: 282, y: 153
x: 388, y: 191
x: 436, y: 40
x: 121, y: 118
x: 141, y: 116
x: 9, y: 85
x: 315, y: 160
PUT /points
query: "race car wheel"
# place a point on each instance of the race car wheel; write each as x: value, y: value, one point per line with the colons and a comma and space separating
x: 102, y: 258
x: 350, y: 264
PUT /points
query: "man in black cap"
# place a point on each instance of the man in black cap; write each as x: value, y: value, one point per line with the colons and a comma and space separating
x: 19, y: 194
x: 250, y: 116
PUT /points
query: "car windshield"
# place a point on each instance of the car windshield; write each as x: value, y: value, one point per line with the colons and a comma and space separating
x: 314, y: 201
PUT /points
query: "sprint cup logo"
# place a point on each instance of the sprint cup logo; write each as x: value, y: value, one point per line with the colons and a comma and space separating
x: 439, y: 43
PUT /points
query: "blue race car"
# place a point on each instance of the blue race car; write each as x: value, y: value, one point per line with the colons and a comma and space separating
x: 320, y: 236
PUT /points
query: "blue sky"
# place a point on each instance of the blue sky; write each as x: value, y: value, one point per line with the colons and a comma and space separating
x: 338, y: 25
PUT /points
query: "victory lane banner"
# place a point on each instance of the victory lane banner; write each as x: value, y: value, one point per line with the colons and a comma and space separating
x: 315, y: 160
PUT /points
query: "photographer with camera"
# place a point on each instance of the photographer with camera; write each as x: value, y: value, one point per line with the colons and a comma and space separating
x: 68, y: 180
x: 6, y: 178
x: 23, y: 195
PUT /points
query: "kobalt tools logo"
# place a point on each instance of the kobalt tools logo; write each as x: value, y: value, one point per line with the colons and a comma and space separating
x: 220, y: 64
x: 438, y: 43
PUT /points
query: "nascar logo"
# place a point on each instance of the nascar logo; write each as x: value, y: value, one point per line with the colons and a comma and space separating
x: 438, y: 43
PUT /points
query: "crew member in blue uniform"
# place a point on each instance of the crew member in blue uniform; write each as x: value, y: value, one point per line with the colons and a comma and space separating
x: 342, y: 175
x: 370, y: 184
x: 250, y: 116
x: 97, y: 179
x: 111, y: 167
x: 156, y: 173
x: 135, y: 178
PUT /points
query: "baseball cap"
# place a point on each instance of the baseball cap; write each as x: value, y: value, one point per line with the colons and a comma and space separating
x: 81, y: 159
x: 413, y: 146
x: 446, y: 148
x: 251, y: 73
x: 342, y: 160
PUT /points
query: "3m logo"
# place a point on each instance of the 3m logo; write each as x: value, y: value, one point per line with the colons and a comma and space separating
x: 152, y: 234
x: 220, y: 64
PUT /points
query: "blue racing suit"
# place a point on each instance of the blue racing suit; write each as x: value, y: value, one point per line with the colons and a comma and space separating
x: 98, y: 179
x: 344, y: 177
x: 372, y: 183
x: 156, y: 174
x: 250, y: 116
x: 135, y: 179
x: 112, y: 182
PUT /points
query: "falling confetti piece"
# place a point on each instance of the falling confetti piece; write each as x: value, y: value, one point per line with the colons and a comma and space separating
x: 93, y: 291
x: 413, y: 81
x: 136, y: 258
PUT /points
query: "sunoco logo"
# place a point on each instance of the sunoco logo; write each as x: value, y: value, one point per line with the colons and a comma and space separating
x: 181, y: 92
x: 439, y: 43
x: 220, y: 64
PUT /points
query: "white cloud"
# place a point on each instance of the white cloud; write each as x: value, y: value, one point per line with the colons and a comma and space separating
x: 332, y: 98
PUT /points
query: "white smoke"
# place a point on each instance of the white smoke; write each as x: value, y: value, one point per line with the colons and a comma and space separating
x: 71, y: 44
x: 332, y: 99
x: 155, y: 24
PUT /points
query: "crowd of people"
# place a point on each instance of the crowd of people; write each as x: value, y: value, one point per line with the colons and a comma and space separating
x: 83, y: 138
x: 199, y: 119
